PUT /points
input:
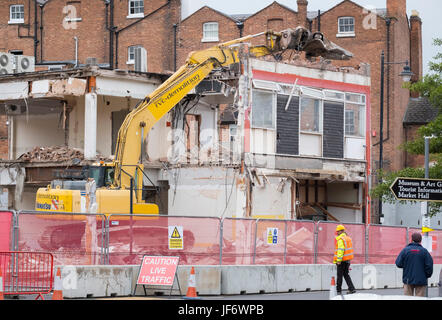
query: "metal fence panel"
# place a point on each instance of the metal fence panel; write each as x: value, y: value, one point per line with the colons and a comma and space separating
x: 6, y: 230
x: 238, y: 241
x: 27, y: 272
x: 300, y: 242
x: 73, y: 239
x: 385, y: 243
x: 195, y: 241
x: 326, y: 241
x: 270, y: 242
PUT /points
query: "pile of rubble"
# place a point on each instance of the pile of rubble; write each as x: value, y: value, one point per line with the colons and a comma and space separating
x: 53, y: 153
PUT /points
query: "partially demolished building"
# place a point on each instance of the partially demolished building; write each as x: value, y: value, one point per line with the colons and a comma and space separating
x: 270, y: 140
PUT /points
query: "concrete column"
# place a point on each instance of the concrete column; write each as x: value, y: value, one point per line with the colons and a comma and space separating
x: 90, y: 126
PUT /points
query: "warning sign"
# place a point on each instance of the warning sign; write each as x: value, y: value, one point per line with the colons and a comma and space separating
x: 176, y: 237
x: 272, y: 235
x: 158, y: 271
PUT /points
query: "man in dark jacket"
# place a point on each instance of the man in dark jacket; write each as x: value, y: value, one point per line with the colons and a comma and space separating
x: 418, y: 267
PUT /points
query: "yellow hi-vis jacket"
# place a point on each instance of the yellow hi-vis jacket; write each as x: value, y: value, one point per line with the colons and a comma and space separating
x: 343, y: 248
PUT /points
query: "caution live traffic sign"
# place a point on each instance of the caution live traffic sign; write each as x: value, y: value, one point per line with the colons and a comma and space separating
x: 417, y: 189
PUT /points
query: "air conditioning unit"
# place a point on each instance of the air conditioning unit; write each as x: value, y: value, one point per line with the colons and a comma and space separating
x: 7, y: 63
x: 140, y: 59
x: 25, y: 64
x: 12, y: 109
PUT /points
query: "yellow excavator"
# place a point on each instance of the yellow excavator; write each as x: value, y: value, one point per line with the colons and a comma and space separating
x: 116, y: 187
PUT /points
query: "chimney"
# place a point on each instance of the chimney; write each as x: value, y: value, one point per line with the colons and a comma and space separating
x: 397, y: 8
x: 302, y: 13
x: 416, y: 56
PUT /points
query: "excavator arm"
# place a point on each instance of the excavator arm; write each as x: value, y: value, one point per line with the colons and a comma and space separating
x: 197, y: 67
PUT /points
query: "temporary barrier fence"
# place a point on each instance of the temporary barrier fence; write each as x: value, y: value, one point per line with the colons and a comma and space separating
x: 27, y: 272
x: 73, y: 239
x: 87, y: 239
x: 194, y: 239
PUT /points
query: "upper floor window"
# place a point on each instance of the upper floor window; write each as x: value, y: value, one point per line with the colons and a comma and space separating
x: 136, y: 9
x: 263, y: 109
x: 346, y: 26
x: 210, y: 31
x: 17, y: 13
x: 131, y: 54
x: 355, y: 115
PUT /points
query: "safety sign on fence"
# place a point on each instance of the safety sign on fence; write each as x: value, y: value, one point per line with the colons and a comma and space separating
x: 272, y: 235
x: 176, y: 238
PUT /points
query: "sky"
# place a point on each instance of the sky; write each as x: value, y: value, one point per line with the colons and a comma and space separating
x: 430, y: 12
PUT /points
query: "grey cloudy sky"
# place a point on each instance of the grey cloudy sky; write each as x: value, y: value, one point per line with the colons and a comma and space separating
x: 430, y: 12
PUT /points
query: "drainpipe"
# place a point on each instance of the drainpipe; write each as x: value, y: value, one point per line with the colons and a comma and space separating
x: 35, y: 31
x: 76, y: 51
x: 41, y: 31
x: 388, y: 24
x: 175, y: 26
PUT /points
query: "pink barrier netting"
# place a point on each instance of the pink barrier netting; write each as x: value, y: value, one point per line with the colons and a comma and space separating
x: 300, y: 242
x: 238, y: 241
x: 72, y: 239
x: 196, y: 240
x: 385, y: 244
x: 5, y: 230
x: 326, y: 242
x: 436, y: 248
x: 270, y: 242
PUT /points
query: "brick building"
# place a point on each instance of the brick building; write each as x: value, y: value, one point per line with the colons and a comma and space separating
x: 67, y: 33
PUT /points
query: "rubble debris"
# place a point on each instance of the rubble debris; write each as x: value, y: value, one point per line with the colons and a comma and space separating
x: 53, y: 153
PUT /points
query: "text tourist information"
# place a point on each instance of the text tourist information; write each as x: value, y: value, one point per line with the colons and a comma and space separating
x: 414, y: 189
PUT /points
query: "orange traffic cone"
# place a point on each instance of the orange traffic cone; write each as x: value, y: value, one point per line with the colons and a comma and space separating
x: 58, y: 293
x: 191, y: 288
x: 332, y: 289
x: 2, y: 297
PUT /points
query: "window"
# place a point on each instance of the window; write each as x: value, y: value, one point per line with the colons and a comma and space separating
x: 210, y: 31
x: 354, y: 120
x: 311, y: 114
x: 346, y: 26
x: 355, y: 115
x: 136, y: 9
x: 131, y: 54
x: 17, y: 13
x: 263, y: 106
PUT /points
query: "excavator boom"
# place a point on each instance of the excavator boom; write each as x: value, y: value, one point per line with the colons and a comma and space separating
x: 198, y: 65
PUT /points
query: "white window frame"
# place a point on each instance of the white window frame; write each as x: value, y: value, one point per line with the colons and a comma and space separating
x: 129, y: 49
x: 320, y: 116
x: 345, y: 33
x: 134, y: 15
x: 273, y: 127
x: 15, y: 20
x: 207, y: 38
x: 362, y: 104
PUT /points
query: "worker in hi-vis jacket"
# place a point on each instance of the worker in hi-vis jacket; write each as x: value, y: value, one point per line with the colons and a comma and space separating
x: 342, y: 257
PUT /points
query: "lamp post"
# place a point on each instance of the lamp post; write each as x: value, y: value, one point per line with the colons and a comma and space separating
x: 406, y: 75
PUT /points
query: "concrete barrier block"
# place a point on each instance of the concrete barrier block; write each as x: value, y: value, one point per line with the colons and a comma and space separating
x: 385, y: 276
x: 327, y: 272
x: 95, y: 281
x: 434, y: 279
x: 304, y: 277
x: 248, y: 279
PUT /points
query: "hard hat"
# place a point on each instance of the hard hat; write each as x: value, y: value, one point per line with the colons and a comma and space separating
x: 340, y: 227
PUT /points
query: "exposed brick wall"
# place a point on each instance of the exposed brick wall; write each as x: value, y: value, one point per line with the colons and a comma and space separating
x: 12, y: 35
x: 191, y: 32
